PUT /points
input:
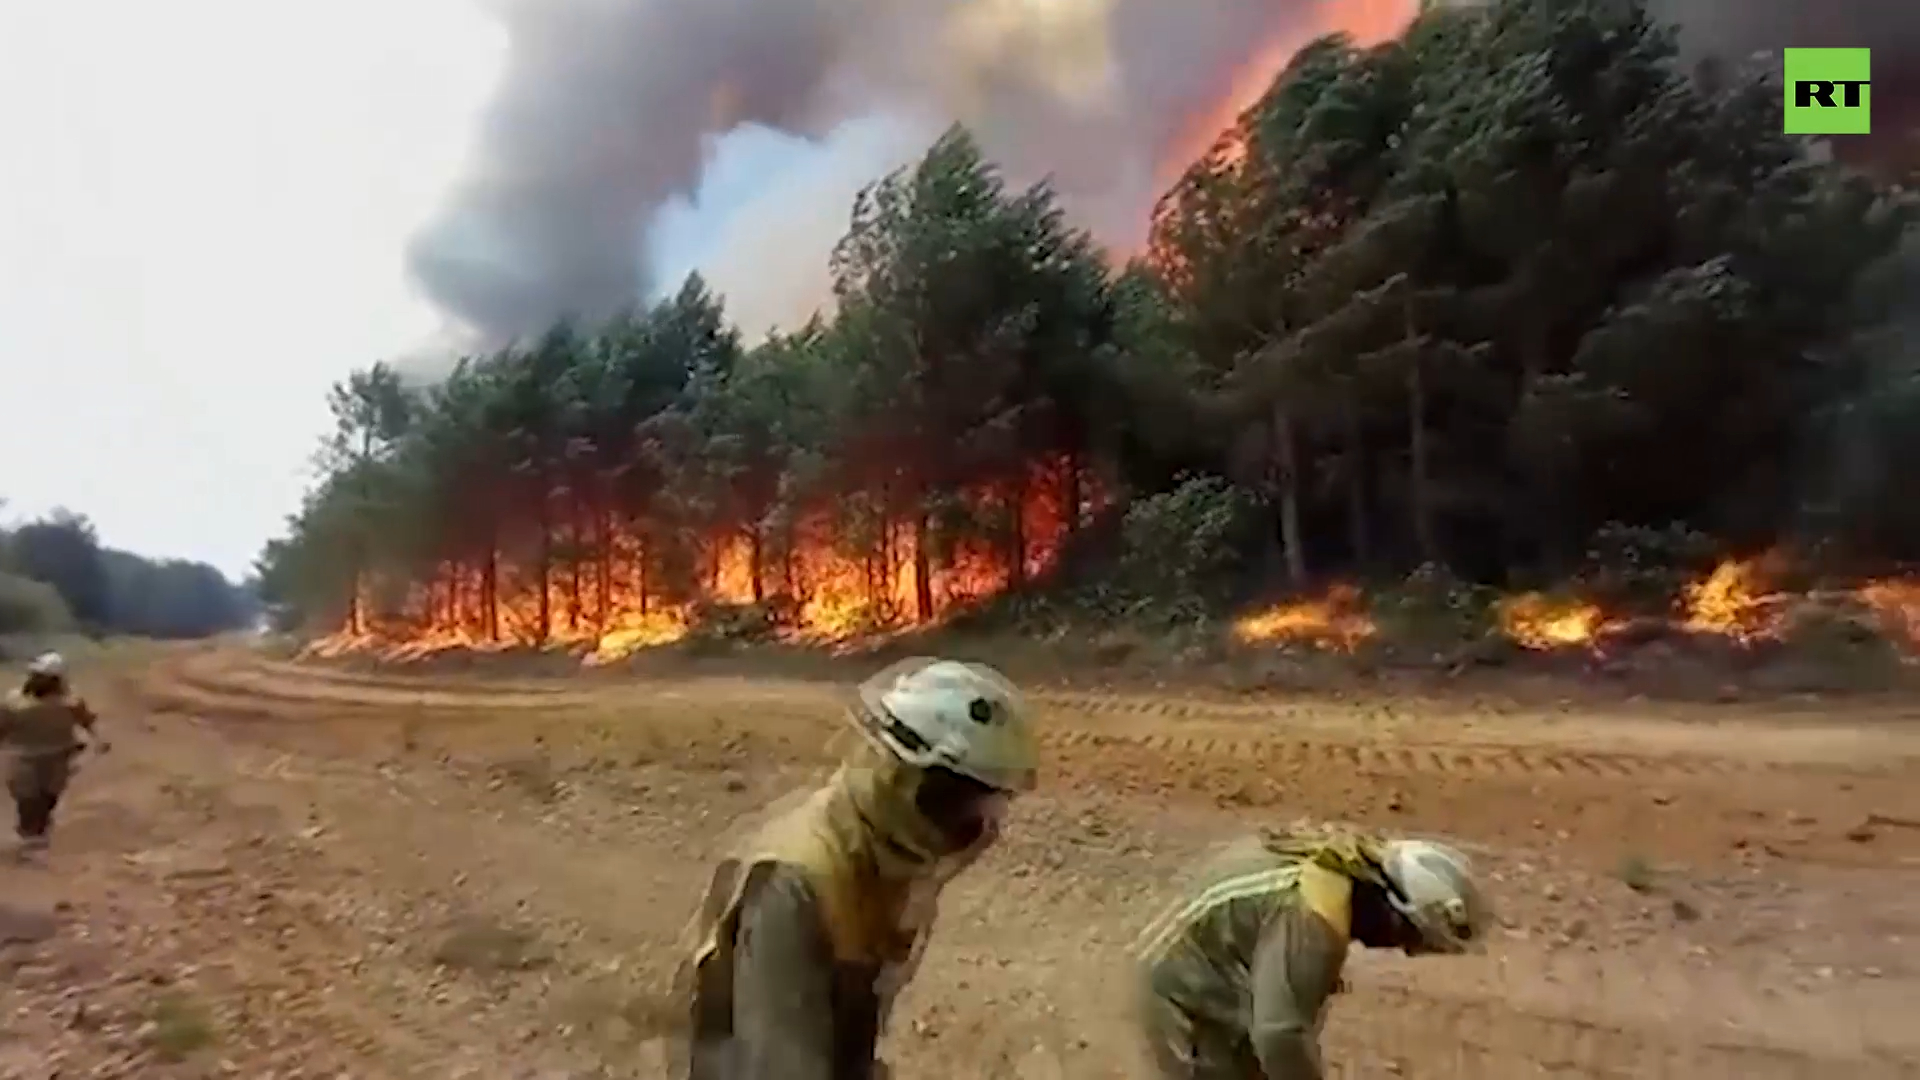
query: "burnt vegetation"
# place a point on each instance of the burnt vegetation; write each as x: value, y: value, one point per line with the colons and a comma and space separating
x: 1515, y: 295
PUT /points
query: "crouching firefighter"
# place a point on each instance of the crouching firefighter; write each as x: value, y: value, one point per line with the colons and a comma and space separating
x: 811, y: 928
x: 43, y: 725
x: 1237, y: 975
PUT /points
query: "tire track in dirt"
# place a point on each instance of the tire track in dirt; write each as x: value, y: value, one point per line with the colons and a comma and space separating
x: 342, y: 932
x: 219, y: 677
x: 1264, y: 736
x: 319, y: 671
x: 1277, y: 752
x: 213, y: 864
x: 1484, y: 1037
x: 1317, y: 759
x: 997, y: 1008
x: 1067, y: 910
x: 1398, y: 1030
x: 1701, y: 732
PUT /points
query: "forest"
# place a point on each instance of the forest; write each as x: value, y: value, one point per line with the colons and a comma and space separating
x: 56, y: 577
x: 1513, y: 294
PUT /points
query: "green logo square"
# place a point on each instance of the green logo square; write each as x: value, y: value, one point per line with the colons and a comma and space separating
x: 1827, y: 92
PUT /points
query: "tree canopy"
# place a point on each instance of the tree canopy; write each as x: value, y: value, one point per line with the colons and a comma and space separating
x: 55, y: 575
x: 1464, y: 299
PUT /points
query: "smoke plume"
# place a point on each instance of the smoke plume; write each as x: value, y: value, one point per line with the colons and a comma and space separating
x: 611, y: 110
x: 1736, y: 30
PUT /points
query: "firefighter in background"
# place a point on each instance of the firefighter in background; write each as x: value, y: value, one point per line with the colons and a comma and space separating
x: 811, y: 928
x: 43, y: 725
x: 1239, y: 972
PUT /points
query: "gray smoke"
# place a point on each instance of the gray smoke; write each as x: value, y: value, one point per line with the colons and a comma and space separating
x: 1737, y: 28
x: 609, y: 109
x: 601, y: 116
x: 1755, y: 31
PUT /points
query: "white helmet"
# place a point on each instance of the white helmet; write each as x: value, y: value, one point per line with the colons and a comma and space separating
x: 1433, y: 887
x: 948, y: 714
x: 50, y: 665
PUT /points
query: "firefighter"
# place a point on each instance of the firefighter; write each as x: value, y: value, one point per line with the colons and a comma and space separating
x: 43, y: 724
x: 1238, y: 973
x: 812, y: 927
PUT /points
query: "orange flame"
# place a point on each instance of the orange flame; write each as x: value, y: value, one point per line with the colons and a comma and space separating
x: 1737, y: 600
x: 1337, y: 620
x: 1535, y: 620
x: 1895, y: 603
x: 601, y: 604
x: 1367, y: 22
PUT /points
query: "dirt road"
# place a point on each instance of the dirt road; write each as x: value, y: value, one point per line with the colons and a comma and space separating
x: 296, y: 871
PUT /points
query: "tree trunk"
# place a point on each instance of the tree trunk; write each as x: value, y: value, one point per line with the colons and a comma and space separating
x: 361, y: 544
x: 1289, y: 500
x: 790, y: 582
x: 575, y: 602
x: 922, y: 569
x: 456, y: 612
x: 545, y: 628
x: 1417, y: 468
x: 1016, y: 552
x: 876, y: 553
x: 603, y: 571
x: 1074, y: 494
x: 490, y: 592
x: 1359, y: 535
x: 756, y: 551
x: 867, y: 574
x: 640, y: 583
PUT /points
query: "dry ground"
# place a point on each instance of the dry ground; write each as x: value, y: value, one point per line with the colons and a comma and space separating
x: 294, y: 871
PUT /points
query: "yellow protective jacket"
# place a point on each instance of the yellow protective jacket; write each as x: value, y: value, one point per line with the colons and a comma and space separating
x: 808, y: 932
x: 43, y: 726
x: 38, y: 738
x: 1236, y: 975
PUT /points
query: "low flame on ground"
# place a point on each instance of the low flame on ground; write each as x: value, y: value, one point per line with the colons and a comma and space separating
x: 603, y: 606
x: 1535, y: 620
x: 1337, y: 620
x: 1738, y: 600
x: 635, y: 632
x: 848, y: 598
x: 1895, y: 603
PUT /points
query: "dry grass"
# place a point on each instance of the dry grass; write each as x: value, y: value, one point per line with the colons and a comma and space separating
x: 178, y: 1027
x: 532, y: 774
x: 490, y: 948
x: 1637, y: 873
x: 617, y: 1016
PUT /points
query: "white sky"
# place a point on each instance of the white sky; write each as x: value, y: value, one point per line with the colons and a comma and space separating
x: 203, y: 205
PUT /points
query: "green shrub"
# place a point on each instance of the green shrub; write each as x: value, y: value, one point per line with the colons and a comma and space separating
x: 1635, y: 570
x: 1434, y: 608
x: 1180, y: 549
x: 31, y: 607
x: 718, y: 622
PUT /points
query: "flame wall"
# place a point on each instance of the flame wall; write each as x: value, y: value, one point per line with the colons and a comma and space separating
x: 604, y: 593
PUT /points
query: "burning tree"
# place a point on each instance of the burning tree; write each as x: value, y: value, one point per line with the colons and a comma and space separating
x: 1459, y: 299
x: 933, y: 444
x: 1473, y: 294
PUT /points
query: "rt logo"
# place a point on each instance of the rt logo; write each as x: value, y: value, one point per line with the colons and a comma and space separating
x: 1827, y: 92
